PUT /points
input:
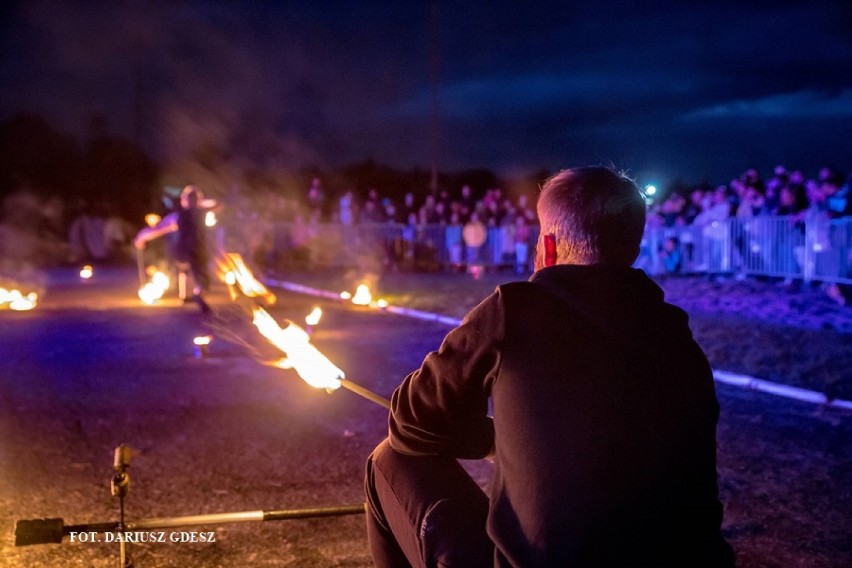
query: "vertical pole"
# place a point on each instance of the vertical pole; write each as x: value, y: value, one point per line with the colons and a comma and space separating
x: 435, y: 44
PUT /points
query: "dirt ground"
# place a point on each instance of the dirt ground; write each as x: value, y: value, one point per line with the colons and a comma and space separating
x: 90, y: 368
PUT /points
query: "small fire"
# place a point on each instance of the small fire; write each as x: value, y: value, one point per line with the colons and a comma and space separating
x: 153, y: 291
x: 87, y: 272
x: 311, y: 365
x: 210, y: 219
x: 313, y: 318
x: 382, y: 303
x: 345, y: 295
x: 201, y: 345
x: 362, y: 295
x: 16, y: 300
x: 235, y: 270
x: 151, y: 219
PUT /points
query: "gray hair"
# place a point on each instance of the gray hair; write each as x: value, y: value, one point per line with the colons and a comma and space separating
x: 594, y: 214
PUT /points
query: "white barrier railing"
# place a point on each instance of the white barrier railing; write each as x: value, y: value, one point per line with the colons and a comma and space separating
x: 809, y: 249
x: 813, y: 248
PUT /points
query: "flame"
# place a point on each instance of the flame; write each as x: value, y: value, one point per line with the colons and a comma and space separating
x: 345, y: 295
x: 313, y: 318
x: 382, y: 303
x: 362, y: 295
x: 312, y: 366
x: 239, y: 273
x: 17, y: 301
x: 87, y: 272
x: 202, y: 340
x: 210, y: 219
x: 151, y: 219
x: 155, y: 288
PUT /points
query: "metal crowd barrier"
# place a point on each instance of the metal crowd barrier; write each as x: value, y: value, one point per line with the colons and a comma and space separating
x: 386, y: 246
x: 813, y: 248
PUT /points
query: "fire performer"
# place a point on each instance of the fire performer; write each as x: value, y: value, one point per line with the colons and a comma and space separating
x: 191, y: 249
x: 603, y: 430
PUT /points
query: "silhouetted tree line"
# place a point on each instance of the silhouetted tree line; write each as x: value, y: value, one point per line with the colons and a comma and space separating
x: 106, y: 173
x: 112, y: 175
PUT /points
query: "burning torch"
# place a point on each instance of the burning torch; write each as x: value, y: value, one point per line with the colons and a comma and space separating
x: 312, y: 366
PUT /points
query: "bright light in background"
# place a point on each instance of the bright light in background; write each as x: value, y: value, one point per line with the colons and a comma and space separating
x: 313, y: 318
x: 152, y: 291
x: 362, y: 295
x: 17, y: 301
x: 650, y: 189
x: 151, y: 219
x: 210, y: 219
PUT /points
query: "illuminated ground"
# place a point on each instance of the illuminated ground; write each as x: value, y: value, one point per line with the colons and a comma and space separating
x: 90, y: 368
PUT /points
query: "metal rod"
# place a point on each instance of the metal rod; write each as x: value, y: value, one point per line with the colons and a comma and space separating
x: 368, y: 394
x: 140, y: 266
x: 243, y: 517
x: 44, y: 531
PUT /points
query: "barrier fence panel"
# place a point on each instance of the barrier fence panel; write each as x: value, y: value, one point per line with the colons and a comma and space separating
x: 809, y: 248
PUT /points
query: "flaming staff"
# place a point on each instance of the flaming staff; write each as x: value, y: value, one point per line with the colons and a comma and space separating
x: 235, y: 272
x: 312, y: 366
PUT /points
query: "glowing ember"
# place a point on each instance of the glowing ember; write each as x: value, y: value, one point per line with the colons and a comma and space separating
x: 201, y: 345
x: 243, y: 278
x: 210, y: 219
x: 362, y: 295
x: 152, y: 291
x: 313, y: 318
x: 345, y: 295
x: 15, y: 300
x: 87, y: 272
x: 382, y: 303
x: 311, y: 365
x: 151, y: 219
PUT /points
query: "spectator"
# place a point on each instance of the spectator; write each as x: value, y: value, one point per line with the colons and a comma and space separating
x: 671, y: 256
x: 604, y: 444
x: 474, y: 235
x: 316, y: 200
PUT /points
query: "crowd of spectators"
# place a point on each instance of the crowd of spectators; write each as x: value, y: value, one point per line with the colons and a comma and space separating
x: 465, y: 217
x: 785, y: 193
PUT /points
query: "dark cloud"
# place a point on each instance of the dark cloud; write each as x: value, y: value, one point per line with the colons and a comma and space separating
x: 687, y: 90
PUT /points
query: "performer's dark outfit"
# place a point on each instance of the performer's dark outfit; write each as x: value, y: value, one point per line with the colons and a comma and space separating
x: 603, y: 433
x: 191, y: 248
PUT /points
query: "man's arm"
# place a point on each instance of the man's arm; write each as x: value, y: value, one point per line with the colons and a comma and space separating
x: 168, y: 224
x: 442, y: 408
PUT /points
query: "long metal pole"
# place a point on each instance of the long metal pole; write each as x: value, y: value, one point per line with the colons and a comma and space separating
x: 45, y: 531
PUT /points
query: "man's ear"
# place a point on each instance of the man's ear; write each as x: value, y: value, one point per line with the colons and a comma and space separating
x: 549, y: 249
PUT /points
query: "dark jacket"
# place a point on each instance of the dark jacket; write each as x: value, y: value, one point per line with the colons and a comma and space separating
x: 604, y: 421
x: 191, y: 243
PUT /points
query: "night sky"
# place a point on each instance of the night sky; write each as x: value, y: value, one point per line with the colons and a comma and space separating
x: 667, y: 90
